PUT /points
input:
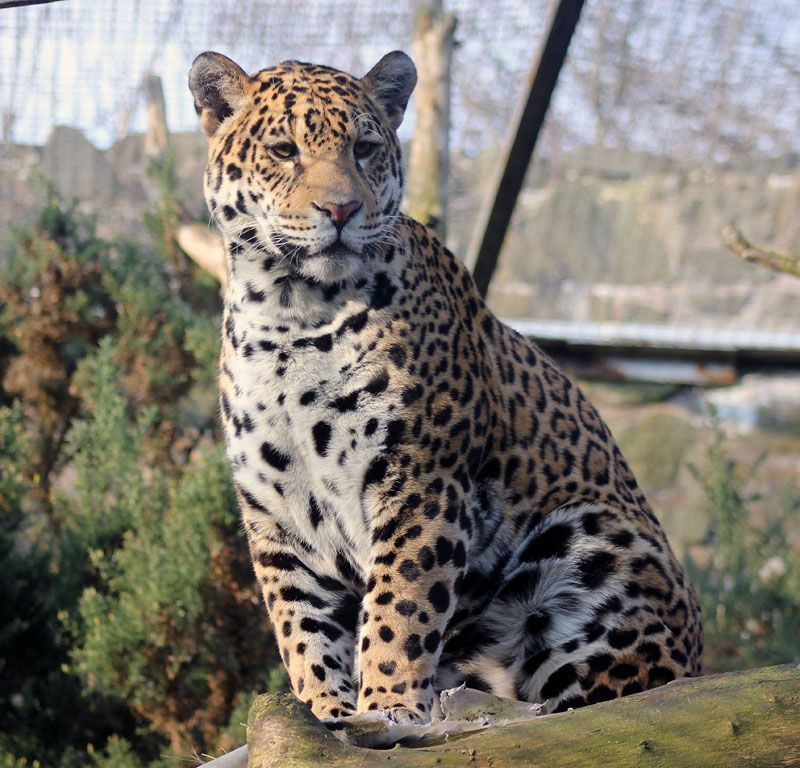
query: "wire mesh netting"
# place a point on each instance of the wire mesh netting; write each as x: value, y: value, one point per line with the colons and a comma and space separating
x: 671, y: 118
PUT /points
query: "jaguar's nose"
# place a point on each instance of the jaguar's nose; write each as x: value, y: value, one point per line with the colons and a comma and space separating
x: 340, y: 213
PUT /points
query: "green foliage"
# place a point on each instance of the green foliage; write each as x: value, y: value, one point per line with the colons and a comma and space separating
x: 151, y: 326
x: 13, y: 463
x: 278, y: 681
x: 118, y: 753
x: 106, y: 450
x: 142, y: 632
x: 131, y: 621
x: 58, y: 227
x: 38, y: 696
x: 25, y: 616
x: 748, y: 576
x: 55, y: 309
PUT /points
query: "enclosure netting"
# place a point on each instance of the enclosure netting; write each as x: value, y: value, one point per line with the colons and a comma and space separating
x: 671, y: 118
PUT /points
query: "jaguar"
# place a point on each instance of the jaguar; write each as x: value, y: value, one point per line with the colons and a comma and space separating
x: 429, y: 500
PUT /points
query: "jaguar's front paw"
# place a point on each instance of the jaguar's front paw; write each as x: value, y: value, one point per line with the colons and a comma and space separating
x: 405, y: 716
x: 331, y: 710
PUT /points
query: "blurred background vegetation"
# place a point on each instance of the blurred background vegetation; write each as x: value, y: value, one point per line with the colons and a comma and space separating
x: 130, y: 607
x: 131, y: 630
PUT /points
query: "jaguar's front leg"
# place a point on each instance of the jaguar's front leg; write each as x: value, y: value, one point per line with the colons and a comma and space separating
x: 313, y: 616
x: 418, y: 558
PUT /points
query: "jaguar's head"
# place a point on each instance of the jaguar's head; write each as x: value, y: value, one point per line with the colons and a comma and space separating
x: 304, y: 164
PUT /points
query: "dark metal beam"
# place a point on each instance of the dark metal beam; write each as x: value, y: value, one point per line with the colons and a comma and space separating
x: 20, y: 3
x: 542, y: 78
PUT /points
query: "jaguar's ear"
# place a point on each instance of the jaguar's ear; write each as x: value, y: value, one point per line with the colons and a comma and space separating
x: 218, y: 86
x: 391, y: 82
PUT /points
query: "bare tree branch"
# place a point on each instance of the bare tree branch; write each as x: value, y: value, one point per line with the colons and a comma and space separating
x: 780, y: 261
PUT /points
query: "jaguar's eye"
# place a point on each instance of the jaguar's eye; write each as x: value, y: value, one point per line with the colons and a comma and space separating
x: 284, y: 151
x: 363, y: 149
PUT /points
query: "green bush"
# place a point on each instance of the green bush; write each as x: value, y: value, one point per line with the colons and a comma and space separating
x: 748, y: 574
x: 131, y: 624
x: 141, y: 633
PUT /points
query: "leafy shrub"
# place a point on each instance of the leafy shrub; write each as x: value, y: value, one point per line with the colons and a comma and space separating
x: 131, y: 622
x: 748, y: 574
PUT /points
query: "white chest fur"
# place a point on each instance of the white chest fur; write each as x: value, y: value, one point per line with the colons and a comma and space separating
x: 305, y: 414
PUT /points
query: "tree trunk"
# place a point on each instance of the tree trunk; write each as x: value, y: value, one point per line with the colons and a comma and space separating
x: 743, y: 718
x: 199, y: 242
x: 432, y: 49
x: 156, y: 136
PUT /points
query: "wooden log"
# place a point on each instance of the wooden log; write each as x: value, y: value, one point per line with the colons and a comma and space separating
x: 428, y: 164
x: 743, y: 718
x: 204, y: 246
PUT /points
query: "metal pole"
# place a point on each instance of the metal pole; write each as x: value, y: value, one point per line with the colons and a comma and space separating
x: 542, y: 78
x: 21, y: 3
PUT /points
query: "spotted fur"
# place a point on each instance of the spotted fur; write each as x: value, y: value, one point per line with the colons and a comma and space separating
x: 428, y: 499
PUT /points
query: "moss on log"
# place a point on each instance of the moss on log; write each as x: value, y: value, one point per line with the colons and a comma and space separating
x: 744, y: 718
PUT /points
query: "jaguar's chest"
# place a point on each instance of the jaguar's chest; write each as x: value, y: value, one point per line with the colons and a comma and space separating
x: 302, y: 423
